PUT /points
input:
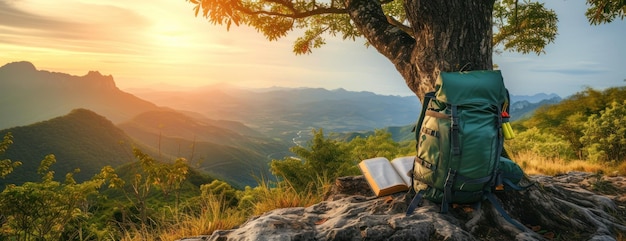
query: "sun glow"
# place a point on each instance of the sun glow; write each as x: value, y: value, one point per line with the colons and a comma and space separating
x: 169, y: 35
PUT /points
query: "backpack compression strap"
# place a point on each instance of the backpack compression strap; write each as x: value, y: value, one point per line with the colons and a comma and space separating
x: 503, y: 213
x: 454, y: 128
x: 414, y: 202
x: 447, y: 190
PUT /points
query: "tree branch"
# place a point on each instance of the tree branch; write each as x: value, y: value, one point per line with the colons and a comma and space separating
x: 400, y: 25
x: 391, y: 40
x: 295, y: 14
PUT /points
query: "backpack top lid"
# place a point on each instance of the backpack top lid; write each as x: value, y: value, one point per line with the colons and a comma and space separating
x: 459, y: 88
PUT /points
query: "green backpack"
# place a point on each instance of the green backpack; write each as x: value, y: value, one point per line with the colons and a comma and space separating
x: 460, y: 139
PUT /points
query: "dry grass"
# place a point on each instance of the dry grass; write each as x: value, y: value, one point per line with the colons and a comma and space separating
x: 286, y: 196
x: 536, y: 164
x: 283, y: 197
x: 215, y: 215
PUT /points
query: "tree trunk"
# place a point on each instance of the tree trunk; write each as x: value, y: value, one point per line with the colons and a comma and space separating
x: 446, y: 37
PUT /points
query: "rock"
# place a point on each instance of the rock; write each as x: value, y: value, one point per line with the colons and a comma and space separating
x: 349, y: 186
x: 564, y: 206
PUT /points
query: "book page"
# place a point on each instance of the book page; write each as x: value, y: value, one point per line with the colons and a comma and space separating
x: 381, y: 176
x: 404, y: 165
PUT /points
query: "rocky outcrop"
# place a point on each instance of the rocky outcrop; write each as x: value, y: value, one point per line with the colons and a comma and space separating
x: 575, y: 206
x: 24, y: 74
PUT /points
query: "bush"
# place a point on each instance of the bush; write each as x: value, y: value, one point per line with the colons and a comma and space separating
x: 605, y: 134
x: 541, y: 143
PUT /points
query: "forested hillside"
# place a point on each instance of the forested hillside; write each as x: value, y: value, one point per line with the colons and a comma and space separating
x: 236, y: 154
x: 80, y: 140
x: 87, y: 141
x: 590, y: 125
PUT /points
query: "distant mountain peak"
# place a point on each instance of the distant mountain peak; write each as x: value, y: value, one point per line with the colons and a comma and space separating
x: 94, y: 73
x: 100, y: 81
x: 534, y: 98
x: 84, y: 112
x: 20, y: 66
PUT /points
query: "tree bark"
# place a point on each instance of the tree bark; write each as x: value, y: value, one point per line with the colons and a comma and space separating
x: 450, y: 35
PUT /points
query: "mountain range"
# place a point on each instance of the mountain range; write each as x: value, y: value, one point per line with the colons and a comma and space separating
x: 230, y: 133
x: 29, y: 95
x: 283, y: 113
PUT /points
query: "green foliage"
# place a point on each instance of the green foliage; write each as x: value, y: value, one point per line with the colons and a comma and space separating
x: 324, y: 159
x: 380, y: 144
x: 47, y: 210
x: 220, y: 190
x: 605, y: 11
x: 6, y: 165
x: 539, y: 142
x: 524, y: 27
x: 567, y: 119
x: 276, y: 18
x: 167, y: 177
x: 82, y: 139
x: 605, y: 134
x: 402, y: 138
x: 295, y: 171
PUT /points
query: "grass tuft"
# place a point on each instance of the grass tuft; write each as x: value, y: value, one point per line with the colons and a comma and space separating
x: 533, y: 163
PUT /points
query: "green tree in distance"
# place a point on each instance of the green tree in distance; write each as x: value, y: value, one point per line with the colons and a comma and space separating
x: 221, y: 190
x: 420, y: 38
x: 168, y: 177
x: 380, y: 144
x: 6, y: 165
x: 540, y: 142
x: 605, y: 134
x: 322, y: 160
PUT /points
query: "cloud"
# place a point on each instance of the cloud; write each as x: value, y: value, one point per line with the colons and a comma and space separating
x: 571, y: 71
x: 14, y: 17
x: 77, y: 27
x: 575, y: 69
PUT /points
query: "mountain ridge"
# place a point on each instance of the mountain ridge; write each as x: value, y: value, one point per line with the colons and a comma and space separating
x: 39, y: 95
x: 26, y: 73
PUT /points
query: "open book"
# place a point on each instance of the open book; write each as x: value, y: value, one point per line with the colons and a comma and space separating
x: 385, y: 177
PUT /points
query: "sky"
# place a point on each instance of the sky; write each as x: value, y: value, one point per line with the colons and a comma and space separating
x: 161, y: 44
